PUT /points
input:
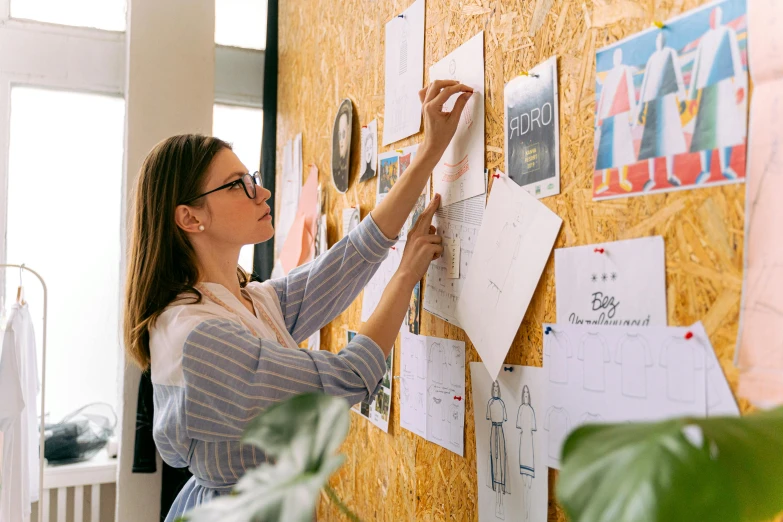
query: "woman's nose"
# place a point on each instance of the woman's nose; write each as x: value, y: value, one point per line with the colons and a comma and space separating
x: 263, y: 193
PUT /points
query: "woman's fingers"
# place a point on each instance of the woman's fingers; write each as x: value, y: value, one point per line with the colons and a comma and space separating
x: 435, y: 88
x: 425, y: 219
x: 447, y: 92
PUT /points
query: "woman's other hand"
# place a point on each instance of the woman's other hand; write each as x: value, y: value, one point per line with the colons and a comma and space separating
x: 440, y: 126
x: 422, y: 246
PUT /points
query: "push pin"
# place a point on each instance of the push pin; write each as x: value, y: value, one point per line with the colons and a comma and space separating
x: 599, y: 250
x: 688, y: 335
x: 401, y: 16
x: 530, y: 74
x: 398, y: 151
x: 548, y: 330
x: 496, y: 176
x: 457, y: 398
x: 659, y: 24
x: 508, y: 368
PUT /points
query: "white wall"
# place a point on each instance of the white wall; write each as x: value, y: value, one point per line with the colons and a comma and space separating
x: 170, y: 90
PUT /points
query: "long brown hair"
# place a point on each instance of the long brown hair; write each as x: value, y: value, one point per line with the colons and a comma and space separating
x: 162, y: 263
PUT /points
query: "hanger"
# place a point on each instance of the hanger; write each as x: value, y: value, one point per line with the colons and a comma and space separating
x: 20, y: 289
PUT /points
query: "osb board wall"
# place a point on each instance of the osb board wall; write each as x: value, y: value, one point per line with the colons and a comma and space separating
x: 331, y: 49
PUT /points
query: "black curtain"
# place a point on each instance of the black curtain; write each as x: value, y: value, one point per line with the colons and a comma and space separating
x: 263, y: 260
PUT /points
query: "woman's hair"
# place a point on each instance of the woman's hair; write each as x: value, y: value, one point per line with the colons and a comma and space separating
x: 162, y: 263
x: 525, y: 389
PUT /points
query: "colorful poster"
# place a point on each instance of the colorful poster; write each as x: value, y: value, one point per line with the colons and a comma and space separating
x: 671, y: 105
x: 532, y: 131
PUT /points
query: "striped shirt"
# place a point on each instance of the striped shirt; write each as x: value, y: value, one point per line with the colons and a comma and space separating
x: 211, y: 376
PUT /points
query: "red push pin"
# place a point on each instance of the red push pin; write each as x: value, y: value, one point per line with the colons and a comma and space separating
x: 497, y: 176
x: 457, y: 397
x: 688, y: 335
x: 599, y: 250
x: 393, y: 248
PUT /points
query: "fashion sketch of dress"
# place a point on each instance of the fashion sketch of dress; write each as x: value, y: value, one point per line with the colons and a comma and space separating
x: 593, y: 353
x: 557, y: 349
x: 437, y: 358
x: 616, y: 106
x: 718, y: 86
x: 663, y: 91
x: 634, y: 356
x: 498, y: 462
x: 526, y: 423
x: 558, y: 424
x: 681, y: 358
x: 457, y: 424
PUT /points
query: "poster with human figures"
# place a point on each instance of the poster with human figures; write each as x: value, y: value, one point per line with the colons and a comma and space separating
x: 404, y: 73
x: 341, y: 146
x: 671, y: 105
x: 459, y: 174
x: 511, y: 443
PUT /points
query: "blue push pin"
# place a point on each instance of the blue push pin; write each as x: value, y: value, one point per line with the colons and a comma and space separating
x: 547, y: 330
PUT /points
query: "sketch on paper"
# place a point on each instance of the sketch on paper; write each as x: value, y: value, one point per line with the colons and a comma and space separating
x: 341, y: 146
x: 378, y: 410
x: 404, y: 73
x: 459, y: 173
x: 558, y: 424
x: 557, y: 350
x: 590, y: 418
x: 511, y: 449
x: 501, y: 278
x: 378, y: 282
x: 460, y: 222
x: 290, y: 188
x: 600, y: 284
x: 681, y: 359
x: 430, y: 373
x: 369, y: 151
x: 720, y: 399
x: 594, y: 354
x: 414, y: 310
x: 532, y: 130
x: 634, y: 357
x: 350, y: 219
x: 498, y: 457
x: 668, y: 101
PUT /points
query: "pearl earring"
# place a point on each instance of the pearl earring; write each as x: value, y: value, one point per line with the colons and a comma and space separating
x: 201, y: 227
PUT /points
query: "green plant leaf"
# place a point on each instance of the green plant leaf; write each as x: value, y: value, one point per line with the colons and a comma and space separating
x: 716, y: 469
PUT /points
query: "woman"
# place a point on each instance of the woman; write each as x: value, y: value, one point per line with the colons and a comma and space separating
x: 221, y: 349
x: 498, y: 462
x: 526, y: 423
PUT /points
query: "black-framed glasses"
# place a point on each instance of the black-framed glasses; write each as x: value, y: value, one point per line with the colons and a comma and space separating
x: 249, y: 183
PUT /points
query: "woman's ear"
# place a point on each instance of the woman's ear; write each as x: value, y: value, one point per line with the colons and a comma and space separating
x: 188, y: 220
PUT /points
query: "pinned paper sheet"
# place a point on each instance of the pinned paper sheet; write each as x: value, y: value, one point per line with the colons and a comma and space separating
x: 460, y: 172
x: 404, y: 73
x: 618, y: 374
x: 511, y: 443
x: 433, y: 389
x: 299, y: 246
x: 620, y: 283
x: 451, y: 257
x: 351, y: 219
x: 290, y: 188
x: 377, y: 284
x: 378, y: 410
x: 513, y: 247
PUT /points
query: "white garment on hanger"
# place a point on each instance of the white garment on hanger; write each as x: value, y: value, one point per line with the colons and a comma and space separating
x: 18, y: 417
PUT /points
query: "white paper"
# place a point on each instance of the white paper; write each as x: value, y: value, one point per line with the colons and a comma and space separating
x: 451, y: 257
x: 433, y: 389
x: 511, y: 444
x: 460, y: 172
x: 513, y: 246
x: 378, y: 411
x: 377, y: 284
x: 314, y: 341
x: 620, y: 374
x: 290, y: 188
x: 404, y: 73
x: 351, y: 219
x: 720, y: 399
x: 619, y: 283
x: 461, y: 221
x: 369, y: 153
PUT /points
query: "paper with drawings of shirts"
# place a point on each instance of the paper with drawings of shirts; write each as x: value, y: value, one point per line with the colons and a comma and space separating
x: 373, y: 290
x: 513, y: 246
x: 290, y: 187
x: 460, y: 172
x: 460, y: 221
x: 433, y: 389
x: 720, y: 399
x: 404, y: 73
x: 511, y: 442
x: 351, y: 219
x: 619, y: 283
x: 621, y: 373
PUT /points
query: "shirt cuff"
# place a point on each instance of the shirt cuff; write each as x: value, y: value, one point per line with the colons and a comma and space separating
x: 371, y: 243
x: 367, y: 360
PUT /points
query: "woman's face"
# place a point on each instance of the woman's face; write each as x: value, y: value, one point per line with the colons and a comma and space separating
x: 233, y: 219
x: 342, y: 134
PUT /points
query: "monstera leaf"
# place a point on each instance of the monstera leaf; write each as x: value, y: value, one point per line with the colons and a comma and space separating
x: 301, y: 435
x: 716, y: 469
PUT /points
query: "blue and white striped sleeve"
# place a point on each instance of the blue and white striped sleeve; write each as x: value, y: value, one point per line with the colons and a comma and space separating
x: 315, y: 293
x: 230, y: 376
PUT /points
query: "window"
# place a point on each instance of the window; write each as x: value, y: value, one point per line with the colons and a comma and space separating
x: 64, y: 200
x: 242, y: 127
x: 240, y: 23
x: 100, y: 14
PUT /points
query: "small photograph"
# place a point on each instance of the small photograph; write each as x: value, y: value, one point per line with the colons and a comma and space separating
x: 350, y: 335
x: 341, y: 145
x: 414, y: 310
x: 389, y: 174
x: 369, y: 151
x: 405, y: 162
x: 387, y: 376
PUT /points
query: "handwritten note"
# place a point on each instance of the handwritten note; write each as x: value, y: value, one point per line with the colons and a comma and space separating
x: 451, y: 256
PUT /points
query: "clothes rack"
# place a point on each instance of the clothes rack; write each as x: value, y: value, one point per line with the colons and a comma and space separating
x: 42, y: 439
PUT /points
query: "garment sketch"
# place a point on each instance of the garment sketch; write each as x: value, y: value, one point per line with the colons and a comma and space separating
x: 717, y: 93
x: 558, y: 424
x: 662, y: 100
x: 634, y: 356
x: 498, y: 462
x: 557, y: 348
x: 681, y: 358
x: 456, y: 411
x: 593, y: 353
x: 616, y: 107
x: 590, y: 418
x: 437, y: 357
x: 457, y: 365
x: 437, y: 411
x: 526, y: 424
x: 501, y: 261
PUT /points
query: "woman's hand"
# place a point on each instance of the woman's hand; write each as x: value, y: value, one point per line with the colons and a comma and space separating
x: 440, y: 126
x: 422, y: 247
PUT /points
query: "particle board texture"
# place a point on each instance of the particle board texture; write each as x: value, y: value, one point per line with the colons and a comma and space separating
x: 331, y: 50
